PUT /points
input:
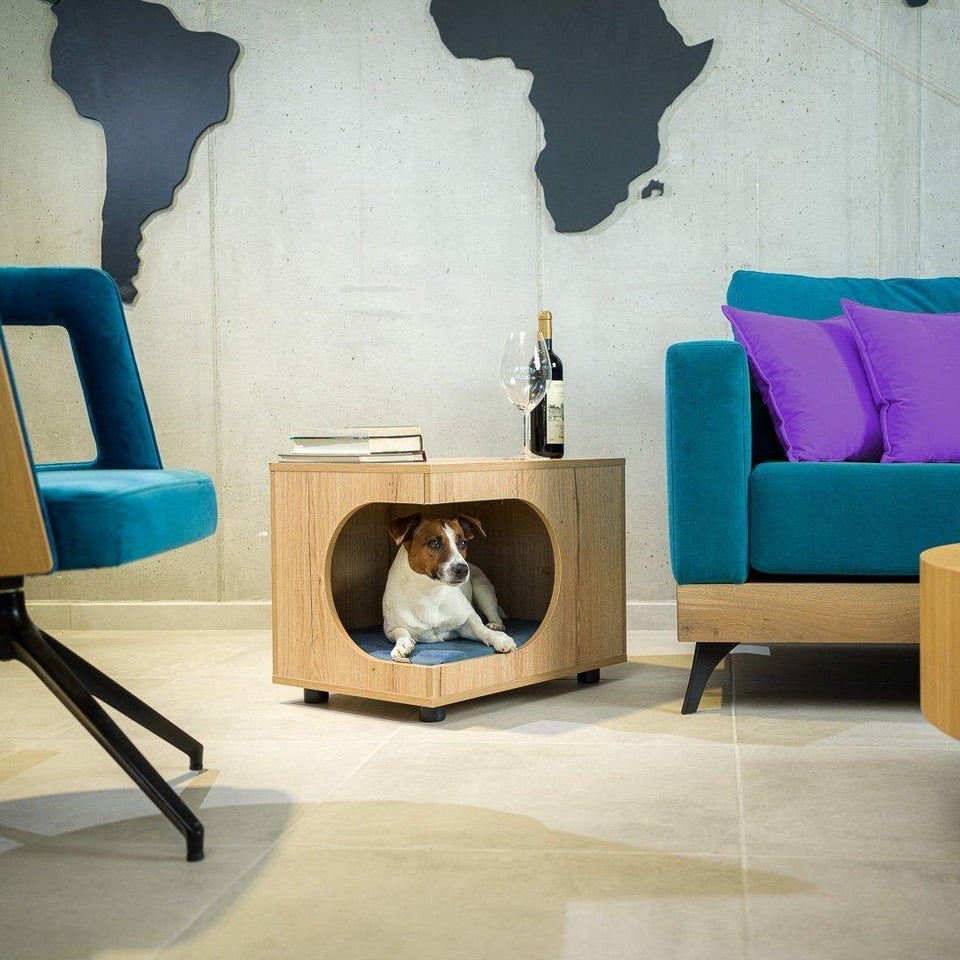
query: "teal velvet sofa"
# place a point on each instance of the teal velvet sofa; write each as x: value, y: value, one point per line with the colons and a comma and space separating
x: 768, y: 551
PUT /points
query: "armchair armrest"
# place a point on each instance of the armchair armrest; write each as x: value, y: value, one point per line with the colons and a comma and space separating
x: 708, y: 460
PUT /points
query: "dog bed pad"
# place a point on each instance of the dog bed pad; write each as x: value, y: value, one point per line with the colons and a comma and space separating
x: 372, y: 640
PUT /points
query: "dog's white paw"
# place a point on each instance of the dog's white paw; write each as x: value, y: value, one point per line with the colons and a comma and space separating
x: 502, y: 643
x: 402, y: 650
x: 496, y: 625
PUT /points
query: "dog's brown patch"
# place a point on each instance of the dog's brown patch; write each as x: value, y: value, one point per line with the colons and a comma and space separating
x: 427, y: 543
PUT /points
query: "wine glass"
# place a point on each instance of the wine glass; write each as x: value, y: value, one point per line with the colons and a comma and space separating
x: 525, y: 374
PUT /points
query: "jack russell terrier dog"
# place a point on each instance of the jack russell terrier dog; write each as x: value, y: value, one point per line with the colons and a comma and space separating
x: 430, y: 588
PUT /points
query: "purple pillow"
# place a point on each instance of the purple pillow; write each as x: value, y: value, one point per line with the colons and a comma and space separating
x: 912, y: 362
x: 812, y: 380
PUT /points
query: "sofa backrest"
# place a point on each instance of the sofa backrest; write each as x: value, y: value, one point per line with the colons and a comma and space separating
x: 817, y: 298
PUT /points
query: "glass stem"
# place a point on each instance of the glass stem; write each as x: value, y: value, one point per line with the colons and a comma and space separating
x: 527, y: 453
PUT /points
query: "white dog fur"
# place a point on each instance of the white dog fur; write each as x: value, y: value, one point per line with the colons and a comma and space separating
x: 431, y: 590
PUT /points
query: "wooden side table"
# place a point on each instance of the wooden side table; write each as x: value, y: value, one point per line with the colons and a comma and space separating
x: 940, y: 637
x: 554, y: 551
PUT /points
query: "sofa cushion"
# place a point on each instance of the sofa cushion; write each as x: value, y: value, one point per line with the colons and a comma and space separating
x: 850, y: 519
x: 817, y: 298
x: 812, y: 381
x: 911, y: 361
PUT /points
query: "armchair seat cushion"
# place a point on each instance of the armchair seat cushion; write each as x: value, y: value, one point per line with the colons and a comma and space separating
x: 103, y: 518
x: 850, y: 519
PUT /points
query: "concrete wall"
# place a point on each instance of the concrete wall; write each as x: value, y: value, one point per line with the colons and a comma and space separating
x: 352, y: 245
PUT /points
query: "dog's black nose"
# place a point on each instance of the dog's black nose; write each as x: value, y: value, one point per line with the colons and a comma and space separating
x: 460, y: 571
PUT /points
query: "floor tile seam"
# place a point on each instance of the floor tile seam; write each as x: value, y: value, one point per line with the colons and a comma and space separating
x: 500, y: 739
x: 944, y: 748
x: 852, y: 858
x: 357, y: 767
x: 741, y: 825
x: 306, y: 808
x: 524, y: 851
x: 808, y: 749
x: 59, y: 733
x: 211, y: 903
x: 601, y: 742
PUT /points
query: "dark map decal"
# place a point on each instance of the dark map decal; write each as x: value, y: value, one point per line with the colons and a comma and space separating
x: 154, y: 87
x: 604, y: 72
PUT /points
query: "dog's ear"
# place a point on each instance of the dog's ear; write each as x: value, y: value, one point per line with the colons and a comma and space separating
x: 401, y: 528
x: 469, y: 525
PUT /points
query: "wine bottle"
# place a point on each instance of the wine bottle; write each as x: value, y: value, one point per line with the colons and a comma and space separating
x: 546, y: 418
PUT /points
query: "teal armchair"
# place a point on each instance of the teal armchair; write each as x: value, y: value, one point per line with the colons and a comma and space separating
x: 120, y: 507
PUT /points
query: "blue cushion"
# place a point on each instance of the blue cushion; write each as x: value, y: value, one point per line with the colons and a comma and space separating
x: 373, y: 641
x: 851, y: 519
x: 102, y: 518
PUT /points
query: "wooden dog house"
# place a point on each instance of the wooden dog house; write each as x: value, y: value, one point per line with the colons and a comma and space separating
x: 554, y: 551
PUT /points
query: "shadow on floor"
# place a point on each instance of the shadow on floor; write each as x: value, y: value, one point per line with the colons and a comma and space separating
x: 347, y: 879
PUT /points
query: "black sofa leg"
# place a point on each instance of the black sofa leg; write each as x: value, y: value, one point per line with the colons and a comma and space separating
x: 706, y: 659
x: 21, y: 640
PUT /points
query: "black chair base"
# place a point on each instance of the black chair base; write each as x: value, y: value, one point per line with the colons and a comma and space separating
x: 76, y: 684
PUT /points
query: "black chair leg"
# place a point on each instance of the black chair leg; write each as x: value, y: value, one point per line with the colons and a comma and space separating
x: 111, y: 693
x: 706, y: 659
x: 20, y: 639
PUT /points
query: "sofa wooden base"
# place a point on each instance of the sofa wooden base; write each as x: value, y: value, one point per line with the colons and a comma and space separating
x: 719, y: 616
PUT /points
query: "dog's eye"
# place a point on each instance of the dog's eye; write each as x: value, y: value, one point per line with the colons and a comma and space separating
x: 461, y: 544
x: 435, y: 543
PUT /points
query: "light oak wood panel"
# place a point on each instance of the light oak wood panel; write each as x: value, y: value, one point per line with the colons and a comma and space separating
x: 778, y: 612
x: 554, y: 496
x: 601, y: 586
x: 333, y: 657
x: 482, y: 676
x: 24, y: 548
x: 473, y: 485
x: 290, y: 557
x: 940, y: 637
x: 539, y: 524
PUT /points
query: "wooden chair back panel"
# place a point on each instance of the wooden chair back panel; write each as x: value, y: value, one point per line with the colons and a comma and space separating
x: 24, y: 547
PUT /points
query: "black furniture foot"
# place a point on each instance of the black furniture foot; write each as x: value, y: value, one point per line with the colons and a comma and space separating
x: 589, y: 676
x: 706, y: 659
x: 75, y: 683
x: 432, y: 714
x: 315, y: 696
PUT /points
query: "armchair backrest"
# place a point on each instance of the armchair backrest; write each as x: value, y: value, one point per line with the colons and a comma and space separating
x: 86, y: 303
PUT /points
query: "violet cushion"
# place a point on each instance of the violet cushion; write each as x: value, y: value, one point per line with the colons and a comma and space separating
x: 812, y: 381
x: 912, y: 361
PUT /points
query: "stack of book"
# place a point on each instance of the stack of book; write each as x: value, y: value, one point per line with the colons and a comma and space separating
x: 357, y: 445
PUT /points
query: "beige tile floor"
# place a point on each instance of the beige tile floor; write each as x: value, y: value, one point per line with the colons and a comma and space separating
x: 808, y: 811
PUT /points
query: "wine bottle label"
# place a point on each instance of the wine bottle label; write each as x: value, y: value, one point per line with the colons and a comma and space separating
x: 554, y: 401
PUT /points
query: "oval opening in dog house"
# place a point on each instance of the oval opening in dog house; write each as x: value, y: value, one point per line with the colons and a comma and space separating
x: 517, y: 555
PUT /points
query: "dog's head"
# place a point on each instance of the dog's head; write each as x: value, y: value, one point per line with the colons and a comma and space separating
x: 436, y: 548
